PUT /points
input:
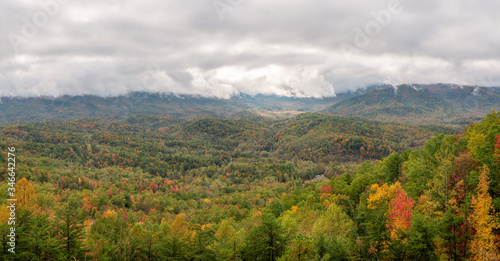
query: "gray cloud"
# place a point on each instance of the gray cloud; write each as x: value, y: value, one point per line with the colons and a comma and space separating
x: 292, y: 48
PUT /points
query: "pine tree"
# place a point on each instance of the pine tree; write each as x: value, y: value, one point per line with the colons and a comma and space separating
x: 71, y: 232
x: 267, y: 241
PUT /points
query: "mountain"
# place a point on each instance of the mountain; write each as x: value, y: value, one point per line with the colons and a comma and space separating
x: 421, y: 103
x: 473, y: 100
x: 403, y: 101
x: 67, y: 107
x: 181, y: 106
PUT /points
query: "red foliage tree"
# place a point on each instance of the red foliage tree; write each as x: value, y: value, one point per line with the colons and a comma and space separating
x: 326, y: 189
x: 153, y: 187
x: 400, y: 213
x: 497, y: 147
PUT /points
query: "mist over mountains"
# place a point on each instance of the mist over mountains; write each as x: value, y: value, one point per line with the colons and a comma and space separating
x: 437, y: 102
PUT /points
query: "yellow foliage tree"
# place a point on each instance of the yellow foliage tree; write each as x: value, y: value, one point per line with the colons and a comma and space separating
x: 4, y: 214
x: 25, y: 194
x: 180, y: 226
x: 227, y: 243
x: 474, y: 141
x: 383, y: 196
x: 483, y: 245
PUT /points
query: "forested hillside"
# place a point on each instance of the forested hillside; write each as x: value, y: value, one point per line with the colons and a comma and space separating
x: 36, y: 109
x: 310, y: 187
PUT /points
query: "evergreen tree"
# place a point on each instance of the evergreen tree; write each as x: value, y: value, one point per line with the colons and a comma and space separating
x: 265, y: 242
x: 71, y: 231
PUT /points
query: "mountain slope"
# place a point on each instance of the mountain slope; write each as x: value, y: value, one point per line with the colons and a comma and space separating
x: 401, y: 102
x: 181, y: 106
x: 471, y: 100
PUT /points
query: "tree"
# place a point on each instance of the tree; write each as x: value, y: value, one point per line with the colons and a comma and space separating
x: 25, y: 194
x: 392, y: 166
x: 71, y: 231
x: 383, y: 196
x: 172, y: 248
x: 421, y: 236
x: 400, y: 213
x: 203, y: 239
x: 483, y: 220
x: 137, y: 243
x: 334, y: 223
x: 106, y: 234
x: 301, y: 248
x: 227, y: 244
x: 180, y: 227
x: 267, y: 241
x: 496, y: 153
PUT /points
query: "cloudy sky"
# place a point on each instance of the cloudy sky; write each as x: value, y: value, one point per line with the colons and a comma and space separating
x: 219, y: 48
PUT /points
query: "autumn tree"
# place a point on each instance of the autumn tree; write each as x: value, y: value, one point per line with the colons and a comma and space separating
x: 383, y: 196
x: 483, y: 245
x: 180, y: 227
x: 227, y: 244
x: 400, y: 213
x: 25, y: 194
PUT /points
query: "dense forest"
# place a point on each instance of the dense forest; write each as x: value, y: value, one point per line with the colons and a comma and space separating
x: 310, y: 187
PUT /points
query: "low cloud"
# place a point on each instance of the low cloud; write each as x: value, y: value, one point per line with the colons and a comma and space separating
x: 289, y: 48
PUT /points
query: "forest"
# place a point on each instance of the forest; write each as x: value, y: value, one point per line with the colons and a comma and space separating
x: 310, y: 187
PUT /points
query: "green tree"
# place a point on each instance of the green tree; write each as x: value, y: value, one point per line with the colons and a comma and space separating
x: 334, y: 223
x: 392, y: 167
x: 43, y: 240
x: 301, y: 248
x: 227, y: 244
x: 267, y: 241
x: 172, y: 248
x: 421, y: 244
x: 71, y: 230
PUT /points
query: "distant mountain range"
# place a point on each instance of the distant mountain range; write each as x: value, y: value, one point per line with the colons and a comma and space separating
x: 422, y: 103
x: 180, y: 106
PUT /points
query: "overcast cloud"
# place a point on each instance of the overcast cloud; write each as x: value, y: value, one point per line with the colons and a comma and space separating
x: 312, y: 48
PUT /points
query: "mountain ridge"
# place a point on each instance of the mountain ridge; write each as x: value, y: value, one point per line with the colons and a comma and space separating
x: 433, y: 101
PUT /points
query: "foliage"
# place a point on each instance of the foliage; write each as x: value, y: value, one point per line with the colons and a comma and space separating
x: 484, y: 222
x: 311, y: 187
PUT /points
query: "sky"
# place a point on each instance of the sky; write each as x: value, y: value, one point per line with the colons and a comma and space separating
x: 221, y: 48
